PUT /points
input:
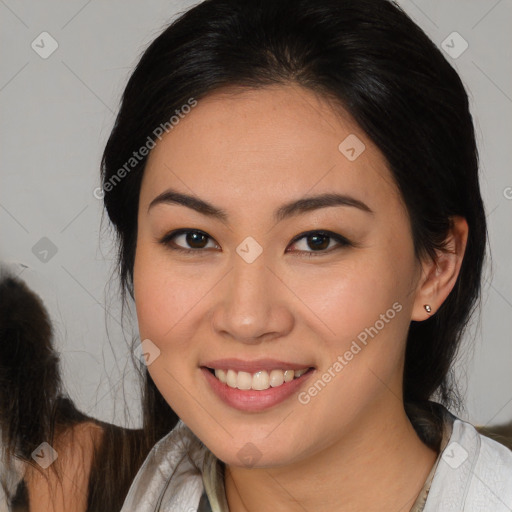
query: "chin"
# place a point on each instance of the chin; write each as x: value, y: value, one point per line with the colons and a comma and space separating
x: 241, y: 451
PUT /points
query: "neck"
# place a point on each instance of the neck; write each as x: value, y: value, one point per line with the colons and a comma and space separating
x: 380, y: 464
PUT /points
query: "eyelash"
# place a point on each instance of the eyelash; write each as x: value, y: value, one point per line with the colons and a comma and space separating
x: 343, y: 242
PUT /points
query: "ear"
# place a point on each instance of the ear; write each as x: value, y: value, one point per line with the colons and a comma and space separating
x: 438, y: 277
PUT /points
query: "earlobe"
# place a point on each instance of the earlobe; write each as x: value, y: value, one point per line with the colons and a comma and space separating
x: 439, y: 276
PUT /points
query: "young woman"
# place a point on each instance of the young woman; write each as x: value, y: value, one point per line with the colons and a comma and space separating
x: 294, y: 186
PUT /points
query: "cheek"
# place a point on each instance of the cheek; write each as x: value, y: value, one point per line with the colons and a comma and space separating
x: 164, y: 294
x: 361, y: 307
x: 150, y: 300
x: 347, y: 297
x: 164, y: 300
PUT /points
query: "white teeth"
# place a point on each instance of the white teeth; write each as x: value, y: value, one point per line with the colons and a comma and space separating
x: 231, y: 379
x: 221, y: 375
x: 260, y: 380
x: 288, y: 375
x: 276, y: 378
x: 243, y: 380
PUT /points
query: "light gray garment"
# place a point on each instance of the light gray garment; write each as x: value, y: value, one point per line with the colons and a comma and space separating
x: 473, y: 474
x: 174, y: 475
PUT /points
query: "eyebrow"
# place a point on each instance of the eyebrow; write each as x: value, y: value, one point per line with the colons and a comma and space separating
x: 287, y: 210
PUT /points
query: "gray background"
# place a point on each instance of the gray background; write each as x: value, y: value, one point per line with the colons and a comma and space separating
x: 56, y: 114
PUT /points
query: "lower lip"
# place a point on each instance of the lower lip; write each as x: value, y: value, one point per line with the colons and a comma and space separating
x: 254, y: 400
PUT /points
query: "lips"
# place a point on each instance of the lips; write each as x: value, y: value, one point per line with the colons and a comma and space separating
x: 255, y: 385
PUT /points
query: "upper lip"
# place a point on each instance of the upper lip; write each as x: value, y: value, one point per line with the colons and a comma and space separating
x: 254, y: 365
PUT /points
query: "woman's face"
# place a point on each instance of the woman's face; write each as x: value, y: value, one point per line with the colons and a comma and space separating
x: 257, y: 289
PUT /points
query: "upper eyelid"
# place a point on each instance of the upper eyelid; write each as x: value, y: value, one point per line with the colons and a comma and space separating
x: 178, y: 232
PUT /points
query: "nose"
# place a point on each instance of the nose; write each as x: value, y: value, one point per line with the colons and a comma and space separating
x: 253, y: 304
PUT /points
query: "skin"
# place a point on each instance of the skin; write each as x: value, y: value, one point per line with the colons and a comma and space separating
x: 48, y: 493
x: 352, y: 446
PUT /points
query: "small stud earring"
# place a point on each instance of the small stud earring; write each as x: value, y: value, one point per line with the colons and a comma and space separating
x: 428, y: 309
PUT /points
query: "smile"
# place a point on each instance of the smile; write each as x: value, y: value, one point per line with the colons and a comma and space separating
x: 255, y: 391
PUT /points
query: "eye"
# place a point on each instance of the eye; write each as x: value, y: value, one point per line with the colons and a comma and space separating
x: 195, y: 239
x: 320, y: 241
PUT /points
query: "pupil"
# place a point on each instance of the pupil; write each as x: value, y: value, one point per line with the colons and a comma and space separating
x: 316, y: 238
x: 194, y: 238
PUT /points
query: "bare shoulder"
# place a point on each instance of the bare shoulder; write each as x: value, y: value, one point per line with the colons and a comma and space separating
x: 84, y: 435
x: 63, y: 485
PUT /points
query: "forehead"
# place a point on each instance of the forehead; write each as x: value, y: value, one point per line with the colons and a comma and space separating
x: 264, y: 144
